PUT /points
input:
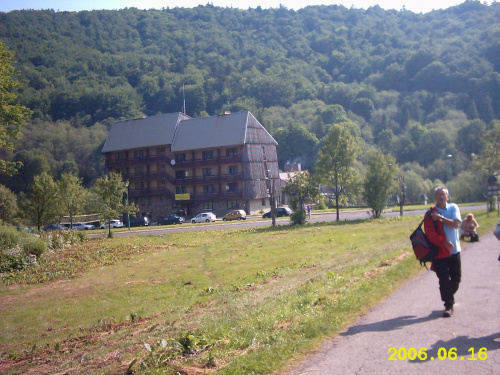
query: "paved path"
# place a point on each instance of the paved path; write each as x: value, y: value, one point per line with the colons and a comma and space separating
x: 411, y: 318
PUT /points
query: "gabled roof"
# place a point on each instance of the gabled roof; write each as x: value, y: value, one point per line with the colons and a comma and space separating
x: 219, y: 131
x: 184, y: 133
x: 143, y: 132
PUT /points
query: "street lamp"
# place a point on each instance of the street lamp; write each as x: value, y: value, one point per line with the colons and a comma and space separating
x: 128, y: 214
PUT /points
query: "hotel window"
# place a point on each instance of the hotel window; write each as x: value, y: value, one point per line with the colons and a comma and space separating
x: 180, y: 190
x: 232, y: 169
x: 119, y: 156
x: 180, y: 174
x: 208, y: 189
x: 231, y: 152
x: 207, y: 172
x: 138, y: 170
x: 207, y: 155
x: 180, y: 157
x: 233, y: 204
x: 138, y: 154
x: 160, y: 150
x: 232, y: 186
x: 208, y: 205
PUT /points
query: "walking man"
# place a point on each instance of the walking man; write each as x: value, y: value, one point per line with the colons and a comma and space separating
x: 441, y: 227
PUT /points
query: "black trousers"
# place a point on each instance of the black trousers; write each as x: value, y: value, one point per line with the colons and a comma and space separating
x: 449, y: 272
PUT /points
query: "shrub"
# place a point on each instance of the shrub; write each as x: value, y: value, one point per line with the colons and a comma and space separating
x: 18, y: 249
x: 9, y: 237
x: 34, y: 245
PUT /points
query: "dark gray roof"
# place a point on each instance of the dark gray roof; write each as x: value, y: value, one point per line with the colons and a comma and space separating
x: 209, y: 132
x: 184, y: 133
x: 143, y: 132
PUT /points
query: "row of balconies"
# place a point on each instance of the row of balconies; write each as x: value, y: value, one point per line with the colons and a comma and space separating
x: 187, y: 180
x: 192, y: 163
x: 202, y: 196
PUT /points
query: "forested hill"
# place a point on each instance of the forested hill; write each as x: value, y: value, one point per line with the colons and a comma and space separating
x: 388, y: 71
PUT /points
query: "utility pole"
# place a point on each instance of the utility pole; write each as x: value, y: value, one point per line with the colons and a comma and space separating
x: 403, y: 195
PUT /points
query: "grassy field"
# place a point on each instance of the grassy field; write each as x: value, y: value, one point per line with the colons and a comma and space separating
x: 228, y: 301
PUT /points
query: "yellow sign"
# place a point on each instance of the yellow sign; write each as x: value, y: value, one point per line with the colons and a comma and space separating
x: 182, y: 197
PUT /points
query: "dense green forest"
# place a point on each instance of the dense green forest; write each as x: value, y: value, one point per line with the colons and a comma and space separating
x: 417, y: 86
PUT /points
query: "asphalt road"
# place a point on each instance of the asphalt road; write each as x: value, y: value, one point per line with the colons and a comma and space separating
x: 258, y: 222
x: 410, y: 320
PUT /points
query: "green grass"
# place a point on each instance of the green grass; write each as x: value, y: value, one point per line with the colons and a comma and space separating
x: 227, y: 301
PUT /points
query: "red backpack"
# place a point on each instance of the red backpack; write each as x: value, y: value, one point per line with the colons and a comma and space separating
x: 424, y: 250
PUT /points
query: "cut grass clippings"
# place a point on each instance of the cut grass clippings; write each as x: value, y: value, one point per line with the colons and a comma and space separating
x: 227, y: 301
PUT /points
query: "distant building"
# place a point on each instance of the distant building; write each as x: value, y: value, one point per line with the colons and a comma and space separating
x: 174, y: 162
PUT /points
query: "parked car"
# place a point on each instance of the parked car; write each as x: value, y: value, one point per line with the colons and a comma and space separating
x: 235, y: 215
x: 280, y: 211
x: 204, y: 217
x: 139, y: 222
x: 112, y: 224
x: 83, y: 226
x: 172, y: 219
x: 55, y: 227
x: 29, y: 230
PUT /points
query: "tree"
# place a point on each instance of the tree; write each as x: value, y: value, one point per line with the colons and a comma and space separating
x: 295, y: 142
x: 72, y: 195
x: 302, y: 188
x: 488, y: 162
x: 380, y: 182
x: 336, y: 161
x: 109, y: 191
x: 12, y: 116
x: 41, y: 204
x: 8, y: 204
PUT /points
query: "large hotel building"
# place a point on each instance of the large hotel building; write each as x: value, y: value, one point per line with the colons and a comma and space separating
x: 174, y: 162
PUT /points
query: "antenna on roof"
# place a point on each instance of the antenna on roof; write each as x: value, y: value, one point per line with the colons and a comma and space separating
x: 183, y: 100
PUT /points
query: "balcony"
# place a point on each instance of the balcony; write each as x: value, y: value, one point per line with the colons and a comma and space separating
x: 235, y: 194
x: 151, y: 191
x: 149, y: 176
x: 191, y: 180
x: 135, y: 161
x: 193, y: 163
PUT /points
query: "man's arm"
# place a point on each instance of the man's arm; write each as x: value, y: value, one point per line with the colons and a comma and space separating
x: 451, y: 223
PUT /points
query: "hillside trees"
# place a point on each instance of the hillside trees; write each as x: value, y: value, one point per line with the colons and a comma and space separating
x: 12, y: 115
x: 419, y: 86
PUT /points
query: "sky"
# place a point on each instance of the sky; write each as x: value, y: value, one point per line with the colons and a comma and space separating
x: 417, y: 6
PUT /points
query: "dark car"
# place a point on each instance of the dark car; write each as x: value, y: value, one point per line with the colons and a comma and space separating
x: 280, y: 211
x: 55, y: 227
x: 139, y: 222
x: 172, y: 219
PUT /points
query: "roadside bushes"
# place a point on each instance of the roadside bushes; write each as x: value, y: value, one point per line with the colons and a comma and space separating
x: 19, y: 249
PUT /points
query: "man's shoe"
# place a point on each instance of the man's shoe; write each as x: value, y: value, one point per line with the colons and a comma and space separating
x: 448, y: 313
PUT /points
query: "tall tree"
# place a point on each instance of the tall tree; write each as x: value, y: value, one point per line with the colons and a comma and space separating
x: 41, y: 204
x: 8, y: 204
x: 110, y: 190
x: 380, y: 181
x: 302, y: 188
x: 72, y: 195
x: 336, y: 162
x: 12, y: 115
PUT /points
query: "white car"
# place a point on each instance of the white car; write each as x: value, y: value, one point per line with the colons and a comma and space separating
x: 83, y: 226
x: 112, y: 224
x: 204, y: 217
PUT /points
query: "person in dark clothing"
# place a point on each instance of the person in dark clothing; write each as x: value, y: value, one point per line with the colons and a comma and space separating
x: 441, y: 227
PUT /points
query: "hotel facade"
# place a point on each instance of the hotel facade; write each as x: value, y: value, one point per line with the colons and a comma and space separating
x: 175, y: 163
